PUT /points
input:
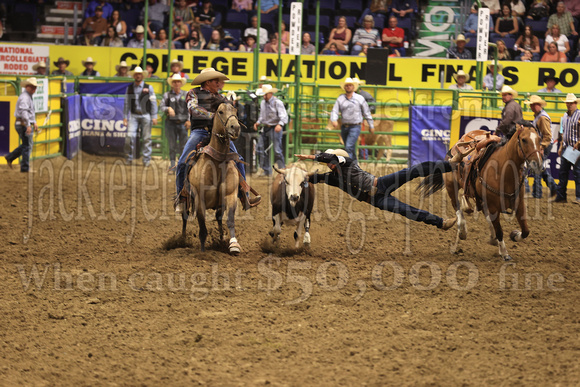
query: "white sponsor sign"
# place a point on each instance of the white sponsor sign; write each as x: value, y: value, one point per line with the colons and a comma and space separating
x: 19, y: 58
x: 482, y: 34
x: 40, y: 98
x: 295, y: 29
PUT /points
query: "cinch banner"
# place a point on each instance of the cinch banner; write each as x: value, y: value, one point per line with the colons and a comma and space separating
x: 429, y: 133
x: 72, y: 108
x: 103, y: 132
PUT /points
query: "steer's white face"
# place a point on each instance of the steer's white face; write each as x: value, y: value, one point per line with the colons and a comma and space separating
x: 294, y: 177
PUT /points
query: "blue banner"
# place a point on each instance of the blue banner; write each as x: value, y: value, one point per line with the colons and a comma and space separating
x: 5, y: 128
x: 429, y: 133
x: 102, y: 126
x: 103, y: 88
x: 72, y: 108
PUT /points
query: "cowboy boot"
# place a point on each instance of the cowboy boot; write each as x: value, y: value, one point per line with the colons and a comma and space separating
x: 448, y: 223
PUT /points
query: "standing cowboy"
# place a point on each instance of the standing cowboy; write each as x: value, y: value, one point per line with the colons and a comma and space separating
x: 459, y: 51
x: 90, y: 68
x: 122, y: 69
x: 488, y: 79
x: 352, y: 107
x: 25, y: 124
x: 551, y: 82
x: 176, y: 125
x: 200, y: 104
x: 62, y: 65
x: 570, y: 138
x: 461, y: 77
x: 511, y: 113
x: 40, y: 68
x: 273, y: 117
x: 176, y: 67
x: 140, y: 111
x: 543, y: 124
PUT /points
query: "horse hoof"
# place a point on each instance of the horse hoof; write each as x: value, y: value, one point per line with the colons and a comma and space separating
x: 515, y: 236
x: 507, y: 257
x: 463, y: 235
x: 493, y: 242
x: 306, y: 239
x: 235, y: 248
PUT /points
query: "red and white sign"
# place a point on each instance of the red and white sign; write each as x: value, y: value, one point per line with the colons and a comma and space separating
x: 57, y: 30
x: 68, y: 5
x: 19, y: 58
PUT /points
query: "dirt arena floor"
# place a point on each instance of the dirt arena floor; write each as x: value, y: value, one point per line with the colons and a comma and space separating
x: 90, y: 296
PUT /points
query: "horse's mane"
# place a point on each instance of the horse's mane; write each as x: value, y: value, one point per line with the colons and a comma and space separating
x: 217, y: 101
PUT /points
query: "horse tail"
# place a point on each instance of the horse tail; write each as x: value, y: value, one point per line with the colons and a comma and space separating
x: 431, y: 184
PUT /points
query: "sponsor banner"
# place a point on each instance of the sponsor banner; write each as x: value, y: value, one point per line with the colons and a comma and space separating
x: 439, y: 23
x: 103, y: 88
x: 19, y: 58
x: 102, y: 129
x: 72, y: 108
x: 5, y: 128
x: 40, y: 97
x: 429, y: 133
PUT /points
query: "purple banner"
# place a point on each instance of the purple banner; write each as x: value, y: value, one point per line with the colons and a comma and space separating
x: 429, y: 133
x: 102, y: 126
x: 5, y: 128
x: 72, y: 106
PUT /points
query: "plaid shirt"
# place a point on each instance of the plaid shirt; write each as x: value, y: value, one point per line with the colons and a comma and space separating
x: 571, y: 128
x: 562, y: 21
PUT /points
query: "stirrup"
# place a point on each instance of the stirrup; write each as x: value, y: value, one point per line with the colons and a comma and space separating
x: 248, y: 202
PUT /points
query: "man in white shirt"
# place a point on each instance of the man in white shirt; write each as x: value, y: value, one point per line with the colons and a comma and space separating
x: 253, y: 30
x: 461, y: 77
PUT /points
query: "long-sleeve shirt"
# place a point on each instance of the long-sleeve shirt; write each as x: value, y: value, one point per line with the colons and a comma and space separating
x: 511, y: 113
x: 352, y: 110
x: 107, y: 9
x: 363, y: 36
x: 563, y: 22
x: 254, y: 31
x: 177, y: 103
x: 25, y: 109
x: 455, y: 54
x: 272, y: 113
x: 543, y: 123
x: 134, y: 43
x: 137, y: 89
x: 571, y: 128
x: 488, y: 81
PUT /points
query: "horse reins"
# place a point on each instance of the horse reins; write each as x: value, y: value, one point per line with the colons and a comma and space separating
x: 225, y: 137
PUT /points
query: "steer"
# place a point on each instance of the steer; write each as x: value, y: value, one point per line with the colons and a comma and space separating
x: 292, y: 200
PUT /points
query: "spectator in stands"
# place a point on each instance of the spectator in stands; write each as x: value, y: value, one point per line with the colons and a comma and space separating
x: 177, y: 123
x: 90, y: 71
x: 106, y: 8
x: 461, y: 79
x: 180, y: 33
x: 98, y: 24
x: 528, y: 41
x: 253, y: 30
x: 122, y: 70
x: 40, y: 68
x: 272, y: 45
x: 556, y: 37
x: 88, y: 39
x: 553, y: 55
x: 518, y: 10
x: 111, y: 39
x: 138, y: 40
x: 184, y: 12
x: 470, y: 25
x: 119, y: 25
x: 502, y: 51
x: 214, y: 42
x: 205, y: 16
x: 150, y: 71
x: 140, y: 111
x: 228, y: 43
x: 249, y: 44
x: 367, y: 35
x: 268, y: 6
x: 539, y: 9
x: 242, y: 5
x: 459, y: 51
x: 551, y: 82
x: 394, y: 37
x: 162, y: 42
x: 61, y: 65
x: 493, y: 5
x: 377, y: 9
x: 404, y: 8
x: 526, y: 56
x: 285, y: 35
x: 506, y: 24
x: 307, y: 47
x: 364, y: 51
x: 332, y: 50
x: 488, y: 79
x: 573, y: 6
x: 563, y: 19
x: 341, y: 36
x: 196, y: 40
x: 157, y: 12
x: 176, y: 67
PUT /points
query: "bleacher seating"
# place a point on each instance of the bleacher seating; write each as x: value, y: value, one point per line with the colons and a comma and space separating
x: 235, y: 19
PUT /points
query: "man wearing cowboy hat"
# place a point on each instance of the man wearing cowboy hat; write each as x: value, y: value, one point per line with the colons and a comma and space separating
x: 273, y: 117
x: 543, y: 125
x: 98, y: 24
x: 461, y: 77
x: 570, y: 138
x: 551, y: 82
x: 488, y: 79
x: 40, y: 68
x: 90, y: 68
x: 511, y: 113
x: 177, y: 123
x: 176, y: 67
x: 459, y: 51
x: 140, y: 111
x: 62, y: 65
x: 200, y: 104
x: 139, y: 40
x: 352, y: 107
x: 347, y: 175
x: 122, y: 69
x: 25, y: 124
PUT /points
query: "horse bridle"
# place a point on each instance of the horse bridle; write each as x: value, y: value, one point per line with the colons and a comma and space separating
x: 526, y: 157
x: 225, y: 137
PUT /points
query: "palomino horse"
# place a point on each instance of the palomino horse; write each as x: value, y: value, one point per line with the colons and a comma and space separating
x: 495, y: 184
x: 214, y: 178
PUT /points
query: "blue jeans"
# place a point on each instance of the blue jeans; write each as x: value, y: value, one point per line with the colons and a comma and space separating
x: 565, y: 167
x: 24, y: 149
x: 197, y: 136
x: 175, y: 132
x: 386, y: 185
x: 270, y: 137
x: 349, y: 134
x: 137, y: 121
x: 546, y: 176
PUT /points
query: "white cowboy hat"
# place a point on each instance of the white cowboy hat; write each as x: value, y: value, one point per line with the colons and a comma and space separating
x: 350, y: 81
x: 41, y: 64
x: 175, y: 78
x: 122, y: 64
x: 461, y: 73
x: 177, y: 62
x: 265, y: 89
x: 137, y: 70
x: 499, y: 66
x: 461, y: 38
x: 508, y: 90
x: 571, y: 98
x: 139, y: 30
x: 89, y: 60
x: 536, y: 99
x: 338, y: 152
x: 264, y: 78
x: 209, y: 74
x: 29, y: 81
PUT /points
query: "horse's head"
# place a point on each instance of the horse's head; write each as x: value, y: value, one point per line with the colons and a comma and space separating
x: 529, y: 146
x: 227, y: 120
x: 296, y: 179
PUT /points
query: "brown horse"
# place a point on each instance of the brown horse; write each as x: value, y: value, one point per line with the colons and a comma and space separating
x: 214, y: 179
x: 495, y: 182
